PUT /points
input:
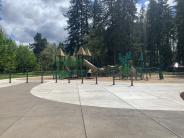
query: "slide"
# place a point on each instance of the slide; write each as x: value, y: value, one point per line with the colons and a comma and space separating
x: 91, y: 66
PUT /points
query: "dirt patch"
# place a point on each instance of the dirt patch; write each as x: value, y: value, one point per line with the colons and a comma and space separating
x: 182, y: 95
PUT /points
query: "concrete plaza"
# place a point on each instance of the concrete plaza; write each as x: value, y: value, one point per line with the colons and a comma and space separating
x: 63, y: 110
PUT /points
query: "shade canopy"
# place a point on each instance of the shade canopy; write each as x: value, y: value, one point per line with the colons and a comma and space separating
x: 81, y: 52
x: 88, y: 53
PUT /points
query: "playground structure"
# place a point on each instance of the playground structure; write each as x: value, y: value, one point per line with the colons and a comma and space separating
x: 80, y: 66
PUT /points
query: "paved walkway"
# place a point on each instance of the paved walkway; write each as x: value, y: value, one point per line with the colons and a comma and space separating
x: 149, y: 96
x: 5, y: 82
x: 23, y: 115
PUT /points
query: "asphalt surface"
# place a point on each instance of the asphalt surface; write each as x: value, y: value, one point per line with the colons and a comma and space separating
x: 23, y: 115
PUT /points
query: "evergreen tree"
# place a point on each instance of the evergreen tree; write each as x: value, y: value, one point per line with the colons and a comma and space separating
x: 119, y: 33
x: 78, y: 23
x: 167, y: 34
x: 159, y: 33
x: 95, y: 38
x: 39, y: 45
x: 139, y: 35
x: 98, y: 14
x: 180, y: 30
x: 152, y: 33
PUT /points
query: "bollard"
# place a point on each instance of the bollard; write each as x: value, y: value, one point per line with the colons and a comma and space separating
x: 131, y: 77
x: 113, y: 78
x: 96, y: 77
x: 82, y: 80
x: 10, y: 78
x: 56, y: 77
x: 27, y: 77
x: 42, y: 77
x: 82, y: 77
x: 69, y: 77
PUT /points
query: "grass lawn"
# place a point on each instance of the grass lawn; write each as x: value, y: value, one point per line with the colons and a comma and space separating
x: 22, y: 75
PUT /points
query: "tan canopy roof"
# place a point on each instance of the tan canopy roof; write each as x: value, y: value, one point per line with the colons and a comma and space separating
x: 88, y: 53
x: 61, y: 53
x: 81, y: 52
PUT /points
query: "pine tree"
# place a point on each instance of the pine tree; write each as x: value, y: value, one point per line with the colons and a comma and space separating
x: 98, y: 15
x: 78, y: 23
x: 167, y: 34
x: 39, y: 45
x: 180, y: 30
x: 159, y: 33
x: 119, y: 33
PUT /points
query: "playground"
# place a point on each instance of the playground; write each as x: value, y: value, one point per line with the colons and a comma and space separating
x: 79, y: 98
x: 77, y: 110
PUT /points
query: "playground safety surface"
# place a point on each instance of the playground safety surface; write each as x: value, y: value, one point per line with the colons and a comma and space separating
x: 97, y: 111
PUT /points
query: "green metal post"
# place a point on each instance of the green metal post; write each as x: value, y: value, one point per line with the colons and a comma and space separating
x: 10, y: 78
x: 113, y: 77
x: 27, y: 77
x: 96, y: 77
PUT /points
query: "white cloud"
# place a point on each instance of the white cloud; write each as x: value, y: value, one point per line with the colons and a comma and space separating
x: 138, y: 6
x: 23, y: 19
x: 172, y: 2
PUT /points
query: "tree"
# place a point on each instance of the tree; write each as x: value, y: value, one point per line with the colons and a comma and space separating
x: 180, y: 30
x: 7, y: 52
x: 98, y: 15
x: 39, y: 45
x: 159, y: 33
x: 78, y: 24
x: 95, y: 39
x: 96, y: 43
x: 61, y: 45
x: 48, y: 57
x: 25, y: 59
x: 167, y: 34
x: 119, y: 31
x: 139, y: 36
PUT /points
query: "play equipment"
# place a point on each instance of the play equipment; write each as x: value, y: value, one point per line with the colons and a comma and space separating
x: 125, y: 66
x: 80, y: 65
x: 74, y: 66
x: 126, y: 63
x: 90, y: 65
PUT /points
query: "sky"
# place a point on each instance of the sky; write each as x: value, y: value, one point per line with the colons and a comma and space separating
x: 22, y: 19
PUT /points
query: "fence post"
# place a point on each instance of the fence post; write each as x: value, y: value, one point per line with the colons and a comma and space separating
x: 27, y: 77
x: 97, y: 77
x: 131, y: 76
x: 41, y: 76
x: 56, y: 77
x: 113, y: 77
x: 69, y: 77
x: 82, y: 77
x: 10, y: 78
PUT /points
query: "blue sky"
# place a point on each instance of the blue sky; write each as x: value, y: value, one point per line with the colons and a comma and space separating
x: 45, y: 16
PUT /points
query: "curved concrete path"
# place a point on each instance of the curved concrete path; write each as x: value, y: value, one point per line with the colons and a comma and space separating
x: 5, y: 82
x: 23, y: 115
x: 142, y: 96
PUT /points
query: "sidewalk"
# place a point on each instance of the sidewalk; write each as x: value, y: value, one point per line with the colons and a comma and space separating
x: 23, y: 115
